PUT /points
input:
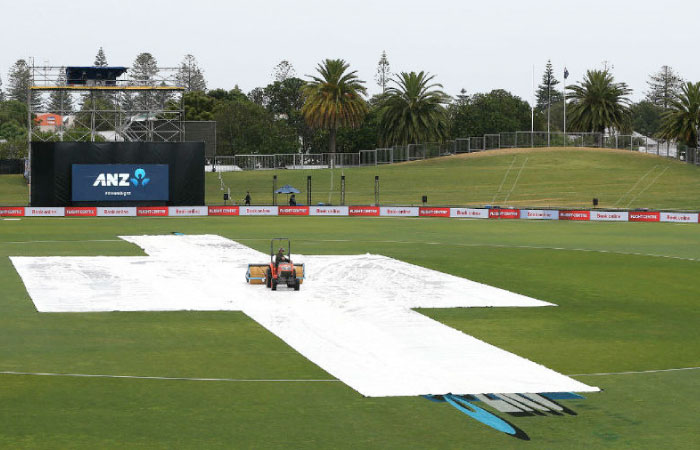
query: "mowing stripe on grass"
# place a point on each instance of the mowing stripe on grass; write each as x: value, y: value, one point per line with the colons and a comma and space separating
x: 632, y: 372
x: 451, y: 244
x: 137, y: 377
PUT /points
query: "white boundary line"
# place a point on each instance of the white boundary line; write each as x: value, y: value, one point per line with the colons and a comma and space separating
x: 515, y: 183
x: 635, y: 185
x: 504, y: 179
x: 137, y: 377
x: 647, y: 186
x: 631, y: 372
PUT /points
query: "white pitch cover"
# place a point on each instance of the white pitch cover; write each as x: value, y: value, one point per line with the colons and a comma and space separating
x: 188, y: 211
x: 610, y: 216
x: 328, y: 210
x: 117, y: 211
x: 354, y: 315
x: 257, y: 211
x: 679, y: 217
x: 398, y: 211
x: 58, y: 211
x: 469, y: 213
x: 539, y: 214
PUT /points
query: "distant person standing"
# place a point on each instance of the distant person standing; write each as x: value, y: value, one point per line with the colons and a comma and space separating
x: 247, y: 198
x: 292, y: 200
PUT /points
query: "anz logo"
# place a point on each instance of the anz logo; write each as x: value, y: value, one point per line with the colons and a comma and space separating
x: 122, y: 179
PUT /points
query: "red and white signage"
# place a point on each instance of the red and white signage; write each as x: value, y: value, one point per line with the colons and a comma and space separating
x: 81, y: 211
x: 644, y: 216
x: 257, y: 210
x: 293, y: 210
x: 434, y: 212
x: 329, y: 211
x: 187, y: 211
x: 574, y: 215
x: 469, y: 213
x: 152, y: 211
x: 504, y: 214
x: 12, y: 211
x: 116, y: 211
x: 679, y: 217
x: 539, y: 214
x: 398, y: 211
x: 610, y: 216
x: 223, y: 210
x: 363, y: 210
x: 58, y: 211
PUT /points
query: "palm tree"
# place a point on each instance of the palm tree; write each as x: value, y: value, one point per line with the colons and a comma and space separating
x: 682, y: 120
x: 413, y: 111
x: 599, y: 103
x: 334, y: 99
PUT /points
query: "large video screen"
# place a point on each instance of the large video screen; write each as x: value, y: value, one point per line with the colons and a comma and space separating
x: 119, y: 182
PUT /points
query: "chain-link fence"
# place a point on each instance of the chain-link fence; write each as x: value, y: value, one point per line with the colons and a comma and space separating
x: 413, y: 152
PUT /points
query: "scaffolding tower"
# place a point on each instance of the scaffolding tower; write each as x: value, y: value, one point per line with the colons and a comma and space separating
x: 122, y: 108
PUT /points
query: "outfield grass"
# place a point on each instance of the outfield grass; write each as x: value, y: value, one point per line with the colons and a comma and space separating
x: 628, y: 301
x: 567, y: 178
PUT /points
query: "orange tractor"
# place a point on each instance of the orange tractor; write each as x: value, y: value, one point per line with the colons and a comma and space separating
x: 280, y: 271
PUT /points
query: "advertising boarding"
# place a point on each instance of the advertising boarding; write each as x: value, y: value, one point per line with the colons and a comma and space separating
x: 119, y: 182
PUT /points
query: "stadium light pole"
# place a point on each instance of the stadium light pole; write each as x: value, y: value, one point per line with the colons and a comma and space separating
x: 532, y: 110
x: 566, y: 75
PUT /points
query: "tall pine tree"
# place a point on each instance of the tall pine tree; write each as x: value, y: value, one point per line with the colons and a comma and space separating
x: 283, y: 71
x: 190, y: 76
x: 144, y: 72
x: 19, y: 81
x: 2, y: 93
x: 383, y: 72
x: 548, y: 89
x: 100, y: 59
x: 664, y: 86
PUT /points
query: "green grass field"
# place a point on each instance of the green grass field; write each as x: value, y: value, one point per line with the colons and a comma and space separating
x: 628, y: 301
x: 530, y: 177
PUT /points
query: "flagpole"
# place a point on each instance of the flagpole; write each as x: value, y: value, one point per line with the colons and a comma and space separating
x: 566, y: 75
x: 532, y: 110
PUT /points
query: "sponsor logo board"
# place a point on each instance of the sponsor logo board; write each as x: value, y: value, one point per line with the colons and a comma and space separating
x: 398, y: 211
x: 188, y: 211
x: 679, y: 217
x: 574, y: 215
x: 644, y: 216
x: 363, y: 210
x: 257, y: 210
x: 434, y: 212
x: 504, y: 214
x: 329, y: 211
x: 539, y: 214
x: 119, y: 182
x: 610, y: 216
x: 293, y: 210
x: 121, y: 211
x: 223, y: 210
x: 81, y: 211
x: 45, y: 212
x: 152, y: 211
x: 469, y: 213
x: 12, y: 211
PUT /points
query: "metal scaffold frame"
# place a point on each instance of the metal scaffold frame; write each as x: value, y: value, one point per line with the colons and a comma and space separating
x: 125, y: 109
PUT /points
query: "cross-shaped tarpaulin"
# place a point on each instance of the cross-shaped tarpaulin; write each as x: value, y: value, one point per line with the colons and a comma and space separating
x: 353, y: 316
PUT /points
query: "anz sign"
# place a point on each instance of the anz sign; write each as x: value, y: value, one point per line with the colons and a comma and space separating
x: 119, y: 182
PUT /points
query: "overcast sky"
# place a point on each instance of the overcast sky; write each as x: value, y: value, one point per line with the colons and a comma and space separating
x: 476, y: 46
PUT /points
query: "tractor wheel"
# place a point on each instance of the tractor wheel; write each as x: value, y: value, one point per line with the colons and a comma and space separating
x: 274, y: 285
x: 296, y: 284
x: 268, y: 277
